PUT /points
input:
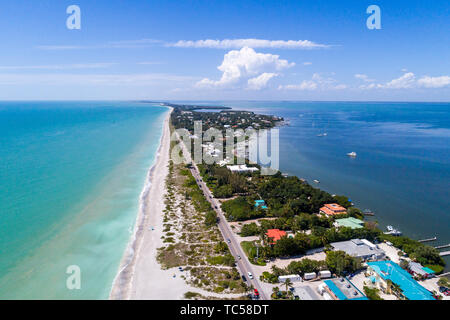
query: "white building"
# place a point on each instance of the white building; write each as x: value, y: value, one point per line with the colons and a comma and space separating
x: 324, y: 274
x: 360, y: 248
x: 310, y: 276
x: 242, y: 168
x: 292, y: 277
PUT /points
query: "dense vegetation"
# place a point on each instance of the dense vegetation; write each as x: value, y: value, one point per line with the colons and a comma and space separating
x: 240, y: 209
x: 183, y: 116
x: 250, y: 229
x: 222, y: 182
x: 286, y: 197
x: 198, y: 200
x: 372, y: 293
x: 425, y: 255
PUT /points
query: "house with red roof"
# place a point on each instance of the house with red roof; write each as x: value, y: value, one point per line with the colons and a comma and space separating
x: 332, y: 209
x: 275, y: 234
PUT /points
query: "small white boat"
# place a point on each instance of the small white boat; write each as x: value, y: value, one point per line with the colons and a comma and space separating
x: 352, y: 154
x: 392, y: 231
x: 316, y: 181
x: 322, y: 134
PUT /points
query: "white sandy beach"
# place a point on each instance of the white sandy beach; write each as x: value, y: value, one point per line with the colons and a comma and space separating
x: 140, y: 275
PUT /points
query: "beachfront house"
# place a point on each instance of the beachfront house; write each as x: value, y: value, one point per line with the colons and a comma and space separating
x: 360, y: 248
x: 390, y: 278
x: 332, y: 209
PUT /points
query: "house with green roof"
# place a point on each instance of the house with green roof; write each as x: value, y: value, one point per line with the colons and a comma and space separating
x: 350, y: 223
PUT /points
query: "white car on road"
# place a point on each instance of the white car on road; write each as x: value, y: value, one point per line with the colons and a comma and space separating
x: 250, y: 275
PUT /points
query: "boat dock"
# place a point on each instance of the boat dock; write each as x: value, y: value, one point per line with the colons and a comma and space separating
x: 368, y: 212
x: 444, y: 253
x: 442, y: 247
x: 428, y: 240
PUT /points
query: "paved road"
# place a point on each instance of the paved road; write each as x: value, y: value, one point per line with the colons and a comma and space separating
x: 242, y: 264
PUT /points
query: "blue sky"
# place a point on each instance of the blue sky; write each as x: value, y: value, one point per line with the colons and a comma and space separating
x: 274, y: 50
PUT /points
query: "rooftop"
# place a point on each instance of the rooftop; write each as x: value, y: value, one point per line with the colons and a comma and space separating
x: 343, y: 289
x: 350, y: 223
x: 360, y: 248
x: 389, y: 270
x: 333, y: 209
x: 260, y: 203
x: 241, y: 168
x: 419, y: 269
x: 305, y: 293
x: 275, y: 234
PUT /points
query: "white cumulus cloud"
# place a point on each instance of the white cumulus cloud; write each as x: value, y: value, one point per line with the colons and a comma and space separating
x: 260, y: 81
x: 247, y: 66
x: 404, y: 82
x: 434, y: 82
x: 409, y: 80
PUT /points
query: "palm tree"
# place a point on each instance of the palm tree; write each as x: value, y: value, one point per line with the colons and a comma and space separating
x: 288, y: 284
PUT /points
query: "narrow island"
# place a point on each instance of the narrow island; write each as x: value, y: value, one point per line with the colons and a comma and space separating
x: 223, y: 231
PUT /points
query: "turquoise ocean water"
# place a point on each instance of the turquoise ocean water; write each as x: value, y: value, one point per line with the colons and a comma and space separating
x: 70, y: 179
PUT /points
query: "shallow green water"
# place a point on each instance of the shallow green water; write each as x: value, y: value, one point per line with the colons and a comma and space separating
x: 70, y: 179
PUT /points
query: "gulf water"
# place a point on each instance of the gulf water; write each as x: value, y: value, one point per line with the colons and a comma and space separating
x: 71, y: 174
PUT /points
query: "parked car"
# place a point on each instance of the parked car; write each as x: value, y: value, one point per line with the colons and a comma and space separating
x: 239, y: 257
x: 250, y: 275
x: 256, y: 293
x: 229, y: 241
x: 244, y: 278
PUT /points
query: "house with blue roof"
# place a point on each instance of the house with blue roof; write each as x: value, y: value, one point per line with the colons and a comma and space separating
x: 390, y: 278
x: 343, y: 289
x: 260, y: 204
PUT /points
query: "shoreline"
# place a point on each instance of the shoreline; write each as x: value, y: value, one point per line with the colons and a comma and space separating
x: 123, y: 281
